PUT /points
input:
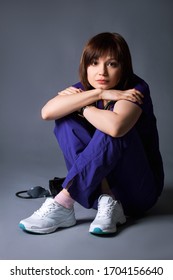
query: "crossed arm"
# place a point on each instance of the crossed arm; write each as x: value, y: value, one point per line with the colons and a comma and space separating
x: 115, y: 123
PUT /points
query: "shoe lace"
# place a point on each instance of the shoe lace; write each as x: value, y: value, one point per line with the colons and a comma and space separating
x: 105, y: 210
x: 46, y: 209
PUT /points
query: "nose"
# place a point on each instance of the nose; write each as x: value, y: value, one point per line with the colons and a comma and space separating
x: 102, y: 69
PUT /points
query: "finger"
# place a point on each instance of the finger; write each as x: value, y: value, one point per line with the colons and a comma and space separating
x: 138, y: 93
x: 61, y: 93
x: 74, y: 90
x: 135, y: 91
x: 137, y: 99
x: 134, y: 97
x: 65, y: 92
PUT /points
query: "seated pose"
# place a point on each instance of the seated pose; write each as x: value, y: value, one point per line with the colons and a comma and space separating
x: 106, y: 129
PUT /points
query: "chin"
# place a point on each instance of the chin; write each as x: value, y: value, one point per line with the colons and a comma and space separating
x: 102, y: 87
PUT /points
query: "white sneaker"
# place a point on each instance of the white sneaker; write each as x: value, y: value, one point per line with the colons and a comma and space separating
x: 110, y: 213
x: 48, y: 218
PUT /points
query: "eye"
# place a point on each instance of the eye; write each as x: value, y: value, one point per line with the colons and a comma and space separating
x: 113, y: 64
x: 94, y: 62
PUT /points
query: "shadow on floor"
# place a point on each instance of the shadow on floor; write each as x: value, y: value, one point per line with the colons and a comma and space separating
x: 164, y: 206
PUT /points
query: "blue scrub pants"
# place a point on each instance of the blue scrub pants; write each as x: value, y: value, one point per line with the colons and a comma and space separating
x: 91, y: 155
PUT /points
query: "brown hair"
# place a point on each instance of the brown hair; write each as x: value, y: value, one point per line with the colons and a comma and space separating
x: 107, y: 43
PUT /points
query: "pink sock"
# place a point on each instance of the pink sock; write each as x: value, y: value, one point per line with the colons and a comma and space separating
x: 64, y: 199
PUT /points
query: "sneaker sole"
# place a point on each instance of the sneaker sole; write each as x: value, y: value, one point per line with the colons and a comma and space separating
x: 100, y: 231
x: 45, y: 230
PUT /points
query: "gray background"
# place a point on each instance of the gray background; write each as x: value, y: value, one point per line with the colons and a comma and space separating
x: 40, y: 47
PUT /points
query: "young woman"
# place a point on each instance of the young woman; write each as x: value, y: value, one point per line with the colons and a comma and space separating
x: 106, y: 129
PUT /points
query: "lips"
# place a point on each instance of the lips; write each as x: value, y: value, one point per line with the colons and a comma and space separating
x: 102, y: 81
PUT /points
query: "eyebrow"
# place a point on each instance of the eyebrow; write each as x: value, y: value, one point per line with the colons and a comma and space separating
x: 110, y: 58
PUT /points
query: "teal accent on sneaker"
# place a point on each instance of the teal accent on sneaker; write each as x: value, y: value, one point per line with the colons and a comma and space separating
x: 22, y: 226
x: 97, y: 231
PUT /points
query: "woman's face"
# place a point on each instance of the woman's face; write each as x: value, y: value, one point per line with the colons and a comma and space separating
x: 104, y: 72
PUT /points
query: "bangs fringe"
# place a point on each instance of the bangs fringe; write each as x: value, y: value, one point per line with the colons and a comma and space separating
x: 100, y: 49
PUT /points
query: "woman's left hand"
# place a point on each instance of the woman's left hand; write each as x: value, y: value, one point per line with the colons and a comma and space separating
x: 131, y: 94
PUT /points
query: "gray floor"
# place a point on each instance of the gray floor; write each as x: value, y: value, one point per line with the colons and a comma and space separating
x: 150, y: 237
